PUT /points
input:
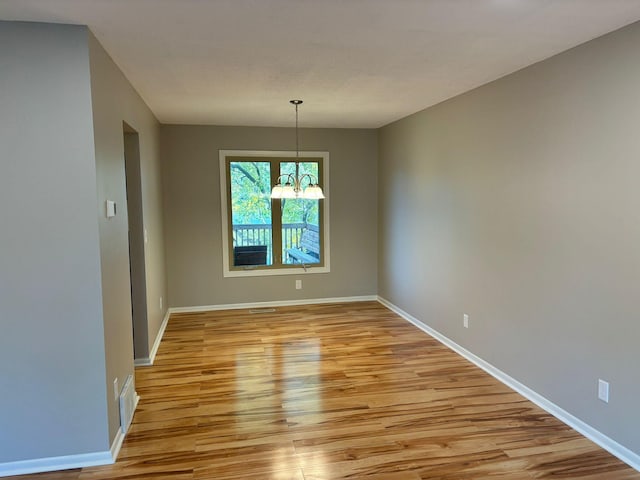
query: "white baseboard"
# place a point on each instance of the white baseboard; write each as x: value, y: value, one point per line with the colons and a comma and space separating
x: 117, y: 444
x: 148, y: 361
x: 66, y: 462
x: 120, y: 435
x: 620, y: 451
x: 277, y: 303
x: 56, y: 463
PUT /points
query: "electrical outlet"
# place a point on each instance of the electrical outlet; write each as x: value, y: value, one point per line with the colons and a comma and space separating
x: 298, y: 284
x: 161, y: 304
x: 116, y: 390
x: 603, y: 390
x: 465, y: 320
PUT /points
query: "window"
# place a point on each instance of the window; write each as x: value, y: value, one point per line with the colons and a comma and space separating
x: 265, y: 236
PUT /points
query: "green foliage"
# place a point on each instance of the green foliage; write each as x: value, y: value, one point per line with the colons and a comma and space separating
x: 251, y: 189
x: 298, y: 210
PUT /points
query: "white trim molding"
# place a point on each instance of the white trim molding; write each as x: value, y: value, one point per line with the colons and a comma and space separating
x: 50, y: 464
x: 277, y: 303
x: 620, y: 451
x: 117, y: 442
x: 66, y: 462
x: 148, y: 361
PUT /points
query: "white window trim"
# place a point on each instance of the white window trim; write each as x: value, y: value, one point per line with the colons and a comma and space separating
x: 294, y: 270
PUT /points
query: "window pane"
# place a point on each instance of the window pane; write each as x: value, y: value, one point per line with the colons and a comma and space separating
x: 300, y: 221
x: 251, y: 213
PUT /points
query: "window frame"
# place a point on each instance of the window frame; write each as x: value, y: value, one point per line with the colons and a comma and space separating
x: 275, y: 269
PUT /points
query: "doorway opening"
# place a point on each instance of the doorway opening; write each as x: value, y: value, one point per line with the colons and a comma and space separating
x: 136, y: 244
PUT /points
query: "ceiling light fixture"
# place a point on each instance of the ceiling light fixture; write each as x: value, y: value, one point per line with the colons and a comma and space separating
x: 291, y: 186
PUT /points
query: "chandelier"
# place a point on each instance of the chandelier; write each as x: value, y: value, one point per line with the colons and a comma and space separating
x: 297, y: 186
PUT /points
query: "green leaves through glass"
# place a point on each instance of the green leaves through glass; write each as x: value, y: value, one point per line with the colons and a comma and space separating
x: 251, y: 217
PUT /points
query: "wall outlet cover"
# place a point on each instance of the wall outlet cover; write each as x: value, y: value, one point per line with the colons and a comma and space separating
x: 603, y: 390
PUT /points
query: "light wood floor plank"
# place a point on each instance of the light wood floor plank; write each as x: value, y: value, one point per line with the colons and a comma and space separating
x: 342, y: 391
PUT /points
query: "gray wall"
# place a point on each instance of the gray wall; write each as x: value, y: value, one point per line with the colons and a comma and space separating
x: 193, y: 223
x: 52, y: 357
x: 65, y: 306
x: 519, y: 204
x: 115, y: 101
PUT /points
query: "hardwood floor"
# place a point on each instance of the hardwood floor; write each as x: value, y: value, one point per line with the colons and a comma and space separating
x: 330, y: 392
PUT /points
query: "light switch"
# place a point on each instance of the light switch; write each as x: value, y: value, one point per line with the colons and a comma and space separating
x: 111, y: 208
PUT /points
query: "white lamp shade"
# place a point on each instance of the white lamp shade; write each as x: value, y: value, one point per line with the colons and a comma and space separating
x: 313, y: 192
x: 288, y: 192
x: 276, y: 192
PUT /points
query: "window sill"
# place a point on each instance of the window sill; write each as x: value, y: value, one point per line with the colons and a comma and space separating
x: 255, y: 272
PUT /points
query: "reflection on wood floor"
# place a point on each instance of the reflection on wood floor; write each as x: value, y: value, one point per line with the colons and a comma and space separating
x: 328, y: 392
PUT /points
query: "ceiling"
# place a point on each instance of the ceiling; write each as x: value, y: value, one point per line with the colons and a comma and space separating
x: 355, y: 63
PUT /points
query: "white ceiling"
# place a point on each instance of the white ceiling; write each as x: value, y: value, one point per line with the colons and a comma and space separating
x: 355, y: 63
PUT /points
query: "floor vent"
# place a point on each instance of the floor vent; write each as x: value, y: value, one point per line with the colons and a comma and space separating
x: 128, y: 402
x: 262, y: 310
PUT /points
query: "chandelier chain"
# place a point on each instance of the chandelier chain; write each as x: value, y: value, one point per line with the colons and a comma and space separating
x: 297, y: 148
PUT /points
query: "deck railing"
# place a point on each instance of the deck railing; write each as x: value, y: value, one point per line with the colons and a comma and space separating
x: 257, y: 234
